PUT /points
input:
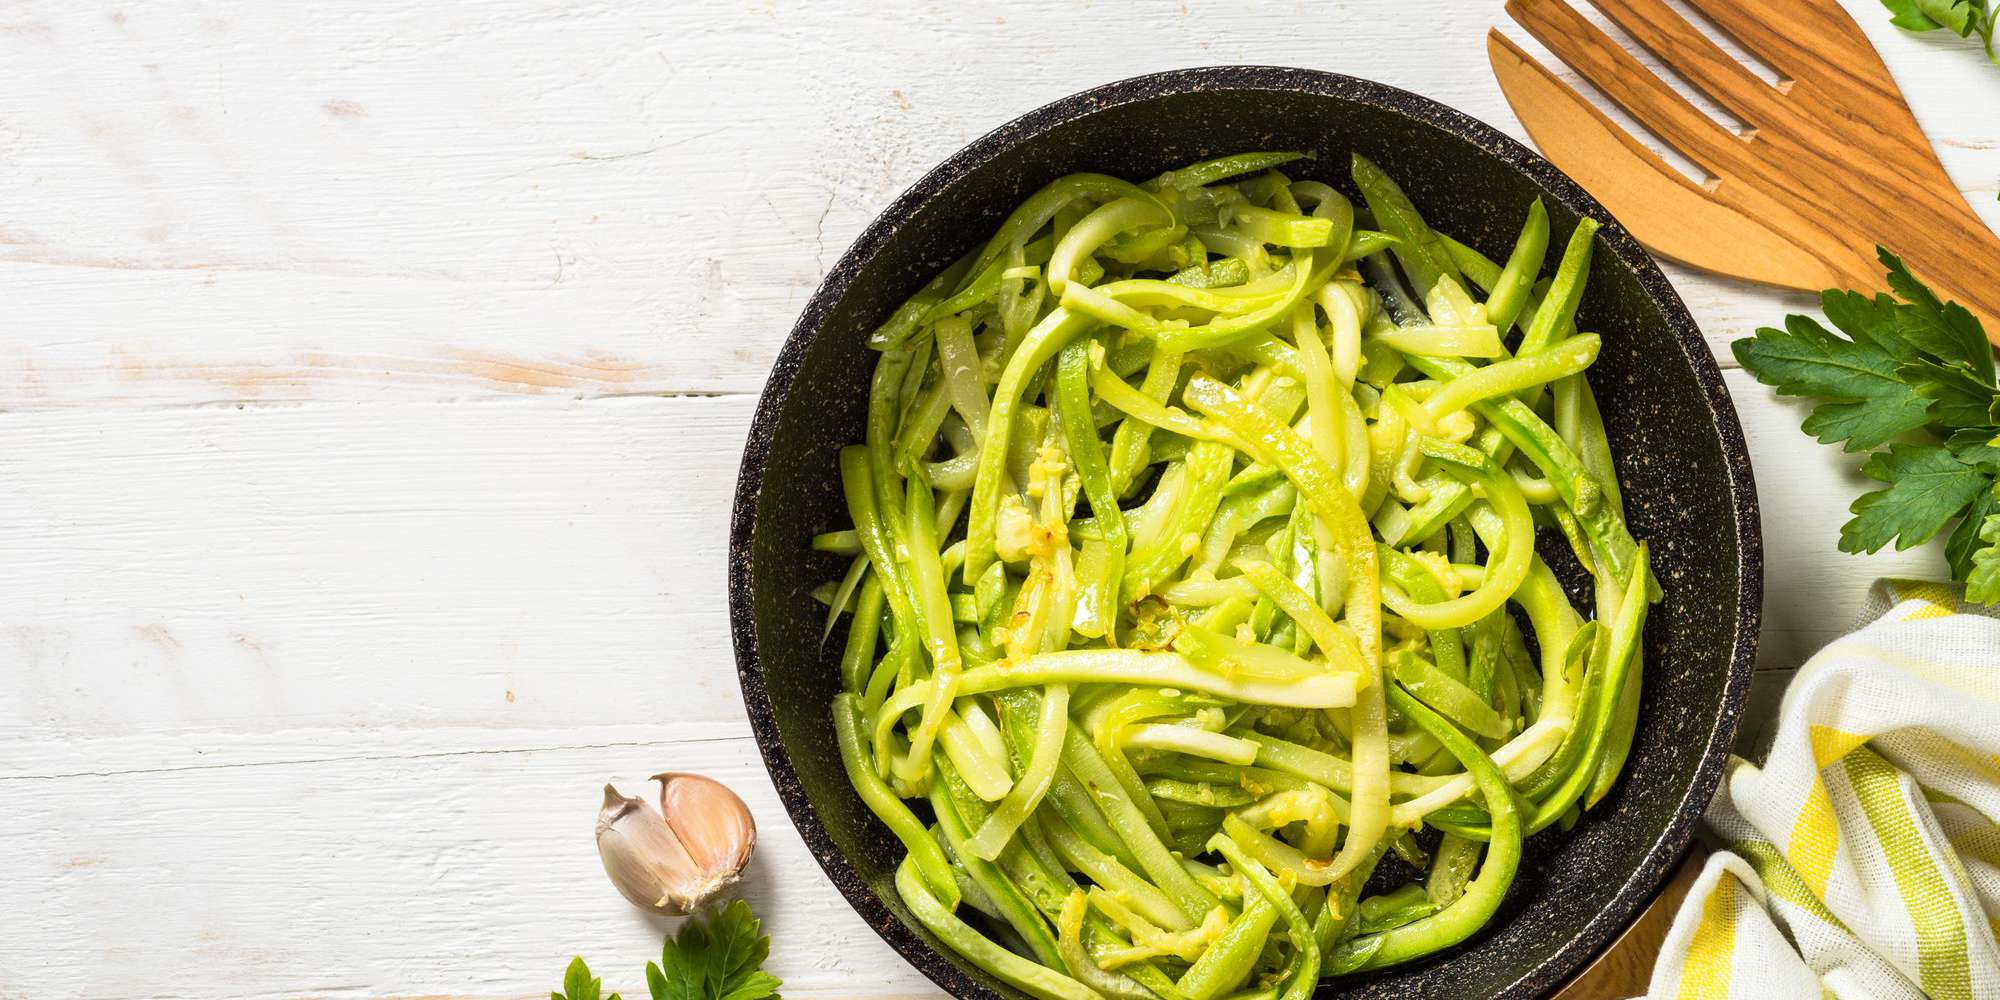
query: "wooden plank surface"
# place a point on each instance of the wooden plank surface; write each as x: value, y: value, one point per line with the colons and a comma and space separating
x: 371, y: 391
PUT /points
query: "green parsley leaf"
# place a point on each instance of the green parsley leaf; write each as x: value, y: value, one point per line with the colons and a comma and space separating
x: 1964, y: 539
x: 1928, y: 486
x: 578, y: 984
x: 1976, y: 446
x: 1958, y: 400
x: 1963, y: 18
x: 1913, y: 370
x: 1952, y: 15
x: 1982, y: 580
x: 718, y: 957
x: 1865, y: 402
x: 1945, y: 330
x: 1908, y: 16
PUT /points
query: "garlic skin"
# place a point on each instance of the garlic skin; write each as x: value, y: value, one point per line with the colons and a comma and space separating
x: 682, y: 855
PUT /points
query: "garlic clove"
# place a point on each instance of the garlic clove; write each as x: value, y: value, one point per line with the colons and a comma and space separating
x: 711, y: 821
x: 645, y: 860
x: 678, y: 857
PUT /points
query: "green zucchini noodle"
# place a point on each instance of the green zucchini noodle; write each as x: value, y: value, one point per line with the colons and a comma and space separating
x: 1191, y: 570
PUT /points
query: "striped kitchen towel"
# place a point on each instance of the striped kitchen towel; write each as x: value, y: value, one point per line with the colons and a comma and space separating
x: 1863, y: 858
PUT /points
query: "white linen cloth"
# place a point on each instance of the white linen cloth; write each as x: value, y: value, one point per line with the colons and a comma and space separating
x: 1862, y: 860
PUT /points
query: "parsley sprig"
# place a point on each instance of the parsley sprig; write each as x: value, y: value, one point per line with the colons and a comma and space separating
x: 718, y: 957
x: 1917, y: 375
x: 1963, y: 18
x: 579, y: 984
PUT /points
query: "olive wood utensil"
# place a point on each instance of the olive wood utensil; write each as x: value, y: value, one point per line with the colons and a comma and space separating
x: 1832, y: 161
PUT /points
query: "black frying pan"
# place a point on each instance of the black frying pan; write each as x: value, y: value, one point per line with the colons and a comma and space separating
x: 1680, y: 456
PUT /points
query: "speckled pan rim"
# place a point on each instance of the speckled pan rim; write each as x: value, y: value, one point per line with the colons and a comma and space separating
x: 1665, y: 853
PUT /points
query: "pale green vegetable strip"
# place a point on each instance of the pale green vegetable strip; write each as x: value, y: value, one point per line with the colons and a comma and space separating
x: 1477, y: 341
x: 1305, y: 954
x: 925, y: 855
x: 1418, y: 246
x: 1192, y: 742
x: 1512, y: 375
x: 934, y: 610
x: 1159, y: 864
x: 1228, y: 962
x: 1042, y: 207
x: 1047, y: 337
x: 1007, y: 899
x: 1224, y: 167
x: 844, y: 593
x: 1129, y: 443
x: 1338, y: 646
x: 1087, y: 453
x: 1069, y: 940
x: 1031, y: 977
x: 1033, y: 783
x: 1508, y: 291
x: 1329, y: 436
x: 1110, y: 873
x: 1097, y: 229
x: 1230, y: 656
x: 1112, y: 666
x: 1558, y: 307
x: 964, y: 381
x: 979, y: 765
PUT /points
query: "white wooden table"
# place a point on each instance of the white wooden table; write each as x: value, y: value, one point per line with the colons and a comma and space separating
x: 372, y: 380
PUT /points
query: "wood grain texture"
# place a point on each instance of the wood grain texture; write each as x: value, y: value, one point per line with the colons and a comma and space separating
x: 364, y: 500
x: 367, y: 202
x: 1830, y: 161
x: 1677, y: 217
x: 407, y: 878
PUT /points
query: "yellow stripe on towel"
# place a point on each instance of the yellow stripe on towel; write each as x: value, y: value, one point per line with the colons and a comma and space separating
x: 1711, y: 954
x: 1939, y: 600
x: 1830, y: 744
x: 1815, y: 838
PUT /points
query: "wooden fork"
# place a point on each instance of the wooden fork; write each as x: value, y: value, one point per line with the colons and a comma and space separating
x: 1832, y: 162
